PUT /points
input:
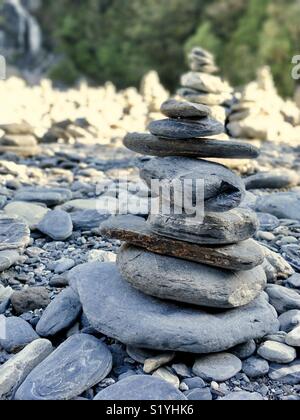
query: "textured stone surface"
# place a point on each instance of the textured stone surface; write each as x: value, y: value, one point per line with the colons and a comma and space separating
x: 14, y: 233
x: 181, y: 129
x: 15, y: 370
x: 75, y: 366
x: 56, y: 224
x: 245, y: 350
x: 293, y: 337
x: 140, y: 388
x: 146, y: 322
x: 216, y: 229
x: 8, y: 258
x: 189, y: 282
x: 217, y: 367
x: 289, y: 320
x: 49, y: 196
x: 60, y: 314
x: 223, y: 189
x: 287, y: 374
x: 275, y: 179
x: 148, y: 144
x: 205, y: 83
x: 30, y: 299
x: 173, y: 108
x: 18, y: 333
x: 210, y: 99
x: 134, y: 230
x: 281, y: 205
x: 255, y: 367
x: 242, y: 396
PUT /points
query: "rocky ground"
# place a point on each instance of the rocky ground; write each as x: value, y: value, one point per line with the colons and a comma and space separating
x: 57, y: 192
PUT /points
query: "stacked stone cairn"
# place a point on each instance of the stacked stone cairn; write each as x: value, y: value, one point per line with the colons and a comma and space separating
x: 181, y: 284
x: 19, y: 139
x: 201, y: 86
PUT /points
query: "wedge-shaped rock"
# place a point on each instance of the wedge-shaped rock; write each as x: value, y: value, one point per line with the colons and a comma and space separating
x: 134, y: 230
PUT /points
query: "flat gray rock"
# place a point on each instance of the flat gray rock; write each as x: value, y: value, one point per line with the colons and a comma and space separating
x: 14, y: 233
x: 60, y: 314
x: 147, y: 144
x: 140, y: 388
x: 13, y: 140
x: 283, y: 299
x: 30, y: 299
x: 223, y: 189
x: 16, y: 369
x: 18, y: 333
x: 287, y: 374
x: 217, y: 367
x: 242, y: 396
x: 87, y: 219
x: 210, y: 99
x: 146, y: 322
x: 30, y: 213
x: 289, y: 320
x: 205, y: 83
x: 56, y: 224
x: 281, y: 205
x: 217, y: 228
x: 245, y: 350
x: 186, y: 129
x: 189, y: 282
x: 49, y: 196
x: 173, y: 108
x: 136, y: 231
x: 17, y: 128
x: 78, y: 364
x: 275, y: 179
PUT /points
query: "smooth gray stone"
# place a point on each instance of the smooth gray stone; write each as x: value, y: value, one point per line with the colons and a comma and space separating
x: 205, y: 83
x: 8, y: 258
x: 18, y: 333
x: 245, y: 350
x: 223, y: 189
x: 147, y: 144
x: 60, y: 315
x: 294, y: 281
x: 173, y: 108
x: 29, y: 213
x: 287, y: 374
x: 186, y: 129
x: 49, y: 196
x: 136, y: 231
x: 289, y: 320
x: 14, y: 233
x: 242, y: 396
x: 78, y: 364
x: 283, y: 299
x: 217, y: 228
x: 202, y: 394
x: 217, y: 367
x: 277, y: 352
x: 57, y: 224
x: 210, y: 99
x: 195, y: 383
x: 275, y: 179
x: 16, y: 369
x: 87, y: 219
x: 140, y: 388
x: 184, y: 281
x: 146, y: 322
x: 267, y: 222
x: 281, y: 205
x: 255, y: 367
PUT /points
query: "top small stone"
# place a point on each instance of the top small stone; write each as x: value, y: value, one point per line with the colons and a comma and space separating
x: 183, y: 109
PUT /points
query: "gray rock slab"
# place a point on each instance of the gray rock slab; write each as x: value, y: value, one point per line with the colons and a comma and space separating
x: 14, y: 233
x: 56, y: 224
x: 217, y: 367
x: 18, y: 333
x: 186, y: 129
x: 281, y: 205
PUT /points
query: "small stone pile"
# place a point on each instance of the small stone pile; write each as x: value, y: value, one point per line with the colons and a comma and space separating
x: 212, y: 265
x: 18, y: 139
x: 261, y: 114
x: 201, y: 86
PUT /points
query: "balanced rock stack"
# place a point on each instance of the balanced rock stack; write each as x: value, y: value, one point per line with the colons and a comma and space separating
x: 19, y: 139
x: 201, y: 86
x: 179, y: 284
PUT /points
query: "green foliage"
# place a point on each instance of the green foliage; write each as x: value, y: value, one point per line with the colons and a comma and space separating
x: 120, y: 40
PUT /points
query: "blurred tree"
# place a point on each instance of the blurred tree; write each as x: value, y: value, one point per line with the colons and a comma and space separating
x: 206, y: 38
